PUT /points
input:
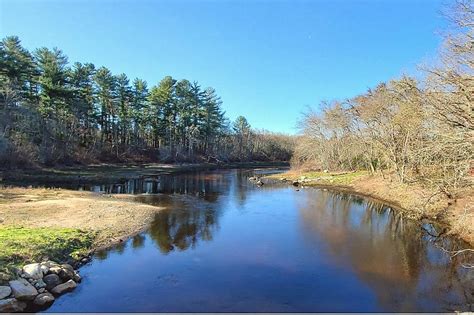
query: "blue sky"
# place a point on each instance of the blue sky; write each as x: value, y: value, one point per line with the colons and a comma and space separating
x: 268, y: 60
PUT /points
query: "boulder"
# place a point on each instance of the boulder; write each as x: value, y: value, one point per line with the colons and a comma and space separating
x: 63, y: 288
x: 77, y: 277
x: 259, y: 183
x: 44, y: 269
x: 65, y: 273
x: 44, y: 299
x: 295, y: 183
x: 55, y: 270
x: 40, y: 284
x: 4, y: 277
x: 49, y: 263
x: 23, y: 290
x: 67, y: 267
x: 33, y: 271
x: 5, y: 291
x: 51, y: 281
x: 12, y: 306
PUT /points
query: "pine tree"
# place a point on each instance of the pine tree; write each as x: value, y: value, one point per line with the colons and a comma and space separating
x: 105, y: 82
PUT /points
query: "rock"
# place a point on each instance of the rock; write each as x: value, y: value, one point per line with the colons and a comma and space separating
x: 44, y: 299
x: 55, y: 270
x: 67, y: 267
x: 51, y: 281
x: 252, y: 178
x: 63, y: 288
x: 12, y: 306
x: 44, y: 269
x: 33, y: 271
x: 5, y: 291
x: 259, y: 183
x: 42, y: 290
x: 65, y: 273
x: 22, y: 290
x: 84, y: 260
x: 77, y: 277
x: 49, y: 263
x: 4, y: 277
x: 295, y: 183
x: 326, y: 171
x: 40, y: 284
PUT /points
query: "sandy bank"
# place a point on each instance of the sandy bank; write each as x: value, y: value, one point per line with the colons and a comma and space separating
x: 110, y: 217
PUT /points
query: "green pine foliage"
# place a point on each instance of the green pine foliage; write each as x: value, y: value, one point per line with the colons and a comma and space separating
x: 52, y: 112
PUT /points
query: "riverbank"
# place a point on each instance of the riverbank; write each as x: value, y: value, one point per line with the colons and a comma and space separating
x: 456, y: 215
x: 61, y: 224
x: 110, y: 173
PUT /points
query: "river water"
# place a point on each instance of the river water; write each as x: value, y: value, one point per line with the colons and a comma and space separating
x: 225, y: 245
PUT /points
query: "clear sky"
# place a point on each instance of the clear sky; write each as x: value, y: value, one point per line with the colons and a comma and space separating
x: 268, y: 60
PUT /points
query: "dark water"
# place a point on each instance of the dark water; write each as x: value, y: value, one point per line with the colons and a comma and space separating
x: 225, y: 245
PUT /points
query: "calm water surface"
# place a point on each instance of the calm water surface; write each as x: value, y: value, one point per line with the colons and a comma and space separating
x: 226, y: 245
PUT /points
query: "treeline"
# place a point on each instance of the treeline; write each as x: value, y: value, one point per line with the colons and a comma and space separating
x: 52, y: 112
x: 420, y: 130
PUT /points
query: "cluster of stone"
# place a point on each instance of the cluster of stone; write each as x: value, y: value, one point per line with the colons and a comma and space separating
x: 256, y: 180
x: 37, y: 286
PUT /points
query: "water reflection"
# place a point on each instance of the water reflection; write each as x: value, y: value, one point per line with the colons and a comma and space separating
x: 138, y: 241
x: 198, y: 184
x: 391, y: 254
x: 203, y: 184
x: 182, y: 229
x: 271, y: 248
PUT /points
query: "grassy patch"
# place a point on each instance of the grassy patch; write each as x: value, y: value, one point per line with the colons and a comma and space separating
x: 336, y: 178
x: 322, y: 178
x: 19, y: 245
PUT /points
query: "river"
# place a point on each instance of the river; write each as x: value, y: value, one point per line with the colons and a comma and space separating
x: 226, y: 245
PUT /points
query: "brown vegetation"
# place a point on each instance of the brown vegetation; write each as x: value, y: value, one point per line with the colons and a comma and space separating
x: 417, y: 134
x: 414, y: 201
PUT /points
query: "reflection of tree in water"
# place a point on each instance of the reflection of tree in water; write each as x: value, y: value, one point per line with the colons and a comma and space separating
x: 204, y: 184
x: 182, y: 229
x: 103, y: 254
x: 138, y: 241
x: 242, y: 186
x: 388, y: 252
x: 241, y: 182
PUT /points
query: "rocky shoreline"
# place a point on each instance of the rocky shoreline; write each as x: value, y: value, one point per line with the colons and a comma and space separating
x: 38, y: 285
